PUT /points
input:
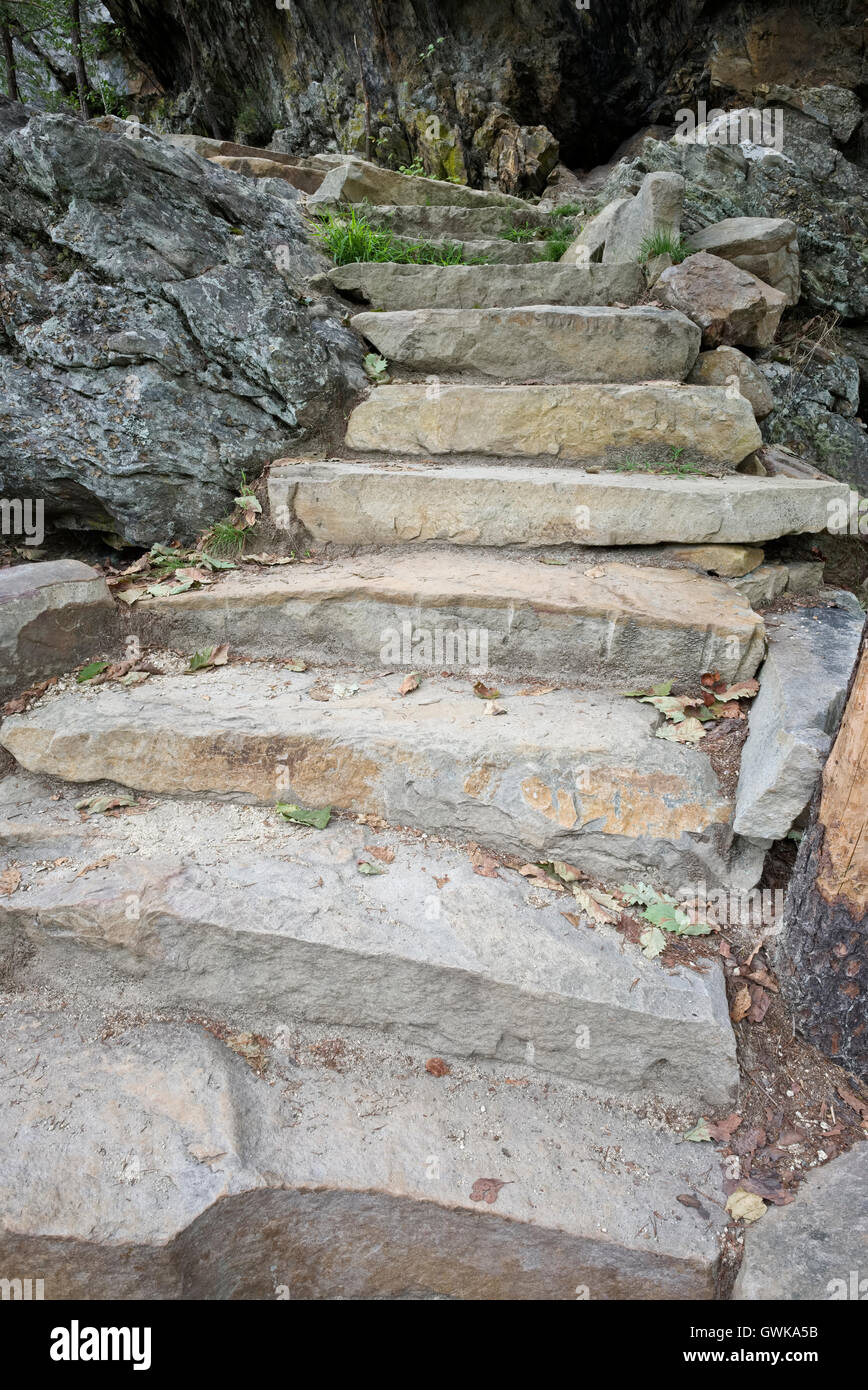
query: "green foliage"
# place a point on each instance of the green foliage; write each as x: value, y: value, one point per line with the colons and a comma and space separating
x: 430, y: 50
x: 663, y: 244
x: 673, y: 466
x: 519, y: 234
x: 349, y: 237
x: 556, y: 243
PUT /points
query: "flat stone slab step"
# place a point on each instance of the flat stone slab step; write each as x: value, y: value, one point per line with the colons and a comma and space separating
x: 389, y: 285
x: 205, y: 1181
x: 561, y: 774
x: 230, y: 910
x: 557, y: 342
x: 360, y: 181
x: 377, y: 503
x: 433, y: 611
x: 578, y: 423
x: 459, y: 223
x: 490, y: 250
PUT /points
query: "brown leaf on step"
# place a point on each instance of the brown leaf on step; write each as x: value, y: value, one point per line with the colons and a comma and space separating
x: 485, y: 692
x: 407, y: 684
x: 440, y: 882
x: 791, y: 1136
x: 761, y: 976
x: 196, y: 573
x: 723, y: 1130
x: 319, y: 692
x: 724, y: 948
x: 598, y: 906
x: 744, y: 690
x: 760, y: 1000
x: 20, y: 703
x: 435, y: 1066
x: 769, y: 1187
x: 854, y: 1101
x: 731, y: 710
x: 741, y: 1004
x: 687, y: 1199
x: 538, y: 690
x: 486, y: 1190
x: 538, y: 872
x: 484, y: 864
x: 9, y: 881
x: 97, y: 864
x: 381, y: 852
x: 711, y: 679
x: 573, y: 919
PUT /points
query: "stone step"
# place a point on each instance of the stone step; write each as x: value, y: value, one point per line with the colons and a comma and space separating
x: 619, y: 623
x: 457, y: 223
x: 389, y: 285
x: 208, y: 1180
x: 358, y: 181
x: 561, y: 774
x: 189, y: 911
x: 490, y: 250
x: 381, y: 503
x: 556, y: 342
x: 581, y: 423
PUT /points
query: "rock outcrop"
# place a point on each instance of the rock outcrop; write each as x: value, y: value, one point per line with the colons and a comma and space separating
x: 157, y: 335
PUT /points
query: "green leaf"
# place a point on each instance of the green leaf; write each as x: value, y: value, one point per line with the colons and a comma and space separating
x: 700, y: 1133
x: 247, y: 502
x: 212, y: 563
x: 94, y: 805
x: 94, y: 669
x: 299, y: 816
x: 365, y: 867
x: 666, y: 916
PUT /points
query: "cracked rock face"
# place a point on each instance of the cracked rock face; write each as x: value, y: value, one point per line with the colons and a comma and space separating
x: 157, y: 335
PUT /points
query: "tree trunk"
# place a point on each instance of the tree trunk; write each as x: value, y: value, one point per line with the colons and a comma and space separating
x: 81, y: 81
x: 822, y: 958
x: 9, y: 56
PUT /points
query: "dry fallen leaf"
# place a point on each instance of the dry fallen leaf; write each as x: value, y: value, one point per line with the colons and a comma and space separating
x: 485, y: 692
x: 486, y: 1190
x: 9, y: 881
x: 381, y: 852
x: 97, y: 864
x: 745, y: 1206
x: 724, y: 1129
x: 855, y: 1103
x: 740, y: 1004
x: 435, y: 1066
x: 407, y: 684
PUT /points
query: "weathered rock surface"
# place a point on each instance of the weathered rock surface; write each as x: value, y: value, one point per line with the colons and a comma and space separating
x: 803, y: 687
x: 729, y: 561
x: 816, y: 405
x: 475, y: 967
x: 768, y: 247
x: 590, y: 243
x: 158, y: 340
x: 655, y: 208
x: 580, y: 423
x: 388, y: 285
x: 357, y: 181
x: 763, y: 584
x: 720, y: 365
x: 375, y: 503
x: 558, y: 343
x: 245, y: 1191
x: 816, y: 1249
x: 810, y: 183
x: 539, y: 781
x: 431, y: 610
x: 729, y: 304
x: 52, y: 616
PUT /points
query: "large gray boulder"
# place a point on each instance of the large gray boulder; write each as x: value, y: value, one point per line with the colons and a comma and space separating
x: 766, y: 246
x: 656, y: 208
x: 730, y: 305
x: 816, y: 413
x: 809, y: 182
x: 157, y: 335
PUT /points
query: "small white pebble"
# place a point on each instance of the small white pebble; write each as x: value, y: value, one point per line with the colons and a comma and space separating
x: 821, y: 1154
x: 791, y: 1093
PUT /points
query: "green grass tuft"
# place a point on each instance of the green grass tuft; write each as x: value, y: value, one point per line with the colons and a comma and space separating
x: 349, y: 237
x: 663, y: 244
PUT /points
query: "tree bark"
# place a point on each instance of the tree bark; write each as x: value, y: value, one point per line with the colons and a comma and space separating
x: 9, y: 57
x: 822, y: 958
x: 81, y: 81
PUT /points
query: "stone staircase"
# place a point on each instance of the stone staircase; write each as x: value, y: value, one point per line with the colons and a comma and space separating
x: 243, y: 1071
